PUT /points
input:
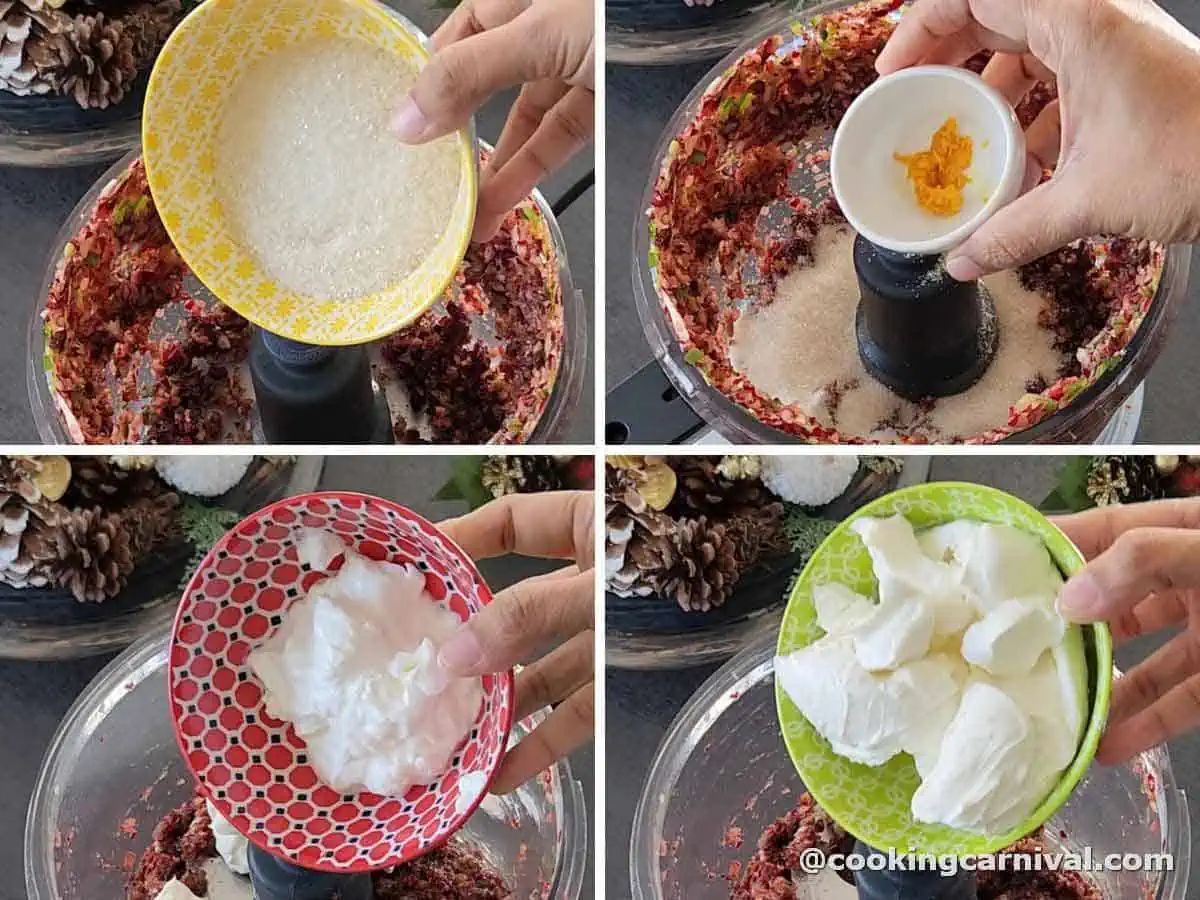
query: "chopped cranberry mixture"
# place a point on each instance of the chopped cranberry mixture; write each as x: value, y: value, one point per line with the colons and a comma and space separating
x: 455, y: 872
x: 183, y: 843
x: 465, y: 404
x: 471, y: 391
x: 135, y: 358
x: 1010, y: 885
x: 771, y: 871
x: 768, y: 876
x: 745, y: 189
x: 121, y: 380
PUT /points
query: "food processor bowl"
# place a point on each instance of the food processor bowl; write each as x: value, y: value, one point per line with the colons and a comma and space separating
x: 113, y: 770
x: 722, y: 776
x: 552, y: 425
x: 1084, y: 420
x: 645, y: 633
x: 44, y: 623
x: 555, y: 422
x: 669, y: 32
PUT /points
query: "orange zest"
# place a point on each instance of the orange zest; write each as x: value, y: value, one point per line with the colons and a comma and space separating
x: 939, y: 174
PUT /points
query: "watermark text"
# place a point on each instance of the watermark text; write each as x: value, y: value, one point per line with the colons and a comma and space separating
x: 814, y: 860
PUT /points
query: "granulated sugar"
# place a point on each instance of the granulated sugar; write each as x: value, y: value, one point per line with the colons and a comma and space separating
x: 319, y: 189
x: 801, y: 349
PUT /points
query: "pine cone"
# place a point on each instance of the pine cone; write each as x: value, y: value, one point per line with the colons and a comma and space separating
x: 151, y: 521
x: 92, y: 551
x: 758, y: 533
x: 503, y: 475
x: 134, y: 463
x: 14, y: 515
x: 639, y: 541
x: 17, y: 477
x: 19, y: 517
x: 93, y: 57
x: 704, y: 490
x: 707, y: 567
x: 89, y: 552
x: 739, y: 466
x: 1124, y: 479
x: 701, y: 486
x: 34, y: 561
x: 648, y: 557
x: 638, y: 549
x: 24, y: 26
x: 103, y: 481
x: 621, y: 486
x: 24, y: 511
x: 89, y: 548
x: 100, y: 64
x: 883, y: 465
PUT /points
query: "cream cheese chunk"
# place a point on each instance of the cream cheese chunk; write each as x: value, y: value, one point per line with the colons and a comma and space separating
x: 961, y: 661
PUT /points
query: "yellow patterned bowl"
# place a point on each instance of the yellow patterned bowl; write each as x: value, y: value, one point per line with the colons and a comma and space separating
x: 193, y: 77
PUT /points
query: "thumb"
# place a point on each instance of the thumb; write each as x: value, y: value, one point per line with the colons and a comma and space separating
x: 1140, y: 562
x: 1045, y: 219
x: 460, y: 78
x: 520, y: 621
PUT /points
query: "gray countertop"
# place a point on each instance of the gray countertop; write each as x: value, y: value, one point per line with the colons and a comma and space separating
x: 35, y: 696
x: 640, y: 706
x: 34, y: 204
x: 639, y: 103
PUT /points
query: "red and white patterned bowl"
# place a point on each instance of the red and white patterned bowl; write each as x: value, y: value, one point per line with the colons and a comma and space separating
x: 253, y: 767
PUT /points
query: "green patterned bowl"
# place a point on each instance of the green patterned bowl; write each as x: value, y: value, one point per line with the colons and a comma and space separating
x: 874, y: 803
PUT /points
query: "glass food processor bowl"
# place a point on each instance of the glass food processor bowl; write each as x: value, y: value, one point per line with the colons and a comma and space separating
x: 49, y: 623
x: 645, y: 633
x: 114, y: 759
x: 723, y: 766
x: 1083, y: 420
x: 668, y: 32
x: 49, y: 408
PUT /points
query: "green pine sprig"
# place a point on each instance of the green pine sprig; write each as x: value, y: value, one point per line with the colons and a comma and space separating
x: 805, y: 531
x: 203, y: 525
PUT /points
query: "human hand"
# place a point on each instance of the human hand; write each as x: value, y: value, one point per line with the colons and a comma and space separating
x: 1123, y: 136
x: 525, y: 617
x: 488, y: 45
x: 1142, y: 575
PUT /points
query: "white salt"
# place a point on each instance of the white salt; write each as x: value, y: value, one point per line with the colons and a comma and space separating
x: 801, y: 343
x: 318, y: 188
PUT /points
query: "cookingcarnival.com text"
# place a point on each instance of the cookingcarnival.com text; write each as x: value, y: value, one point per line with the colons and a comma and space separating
x: 813, y: 860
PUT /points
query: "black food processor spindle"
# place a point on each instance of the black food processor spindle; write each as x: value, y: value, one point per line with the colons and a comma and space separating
x: 920, y: 333
x: 316, y: 395
x: 879, y: 882
x: 275, y: 879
